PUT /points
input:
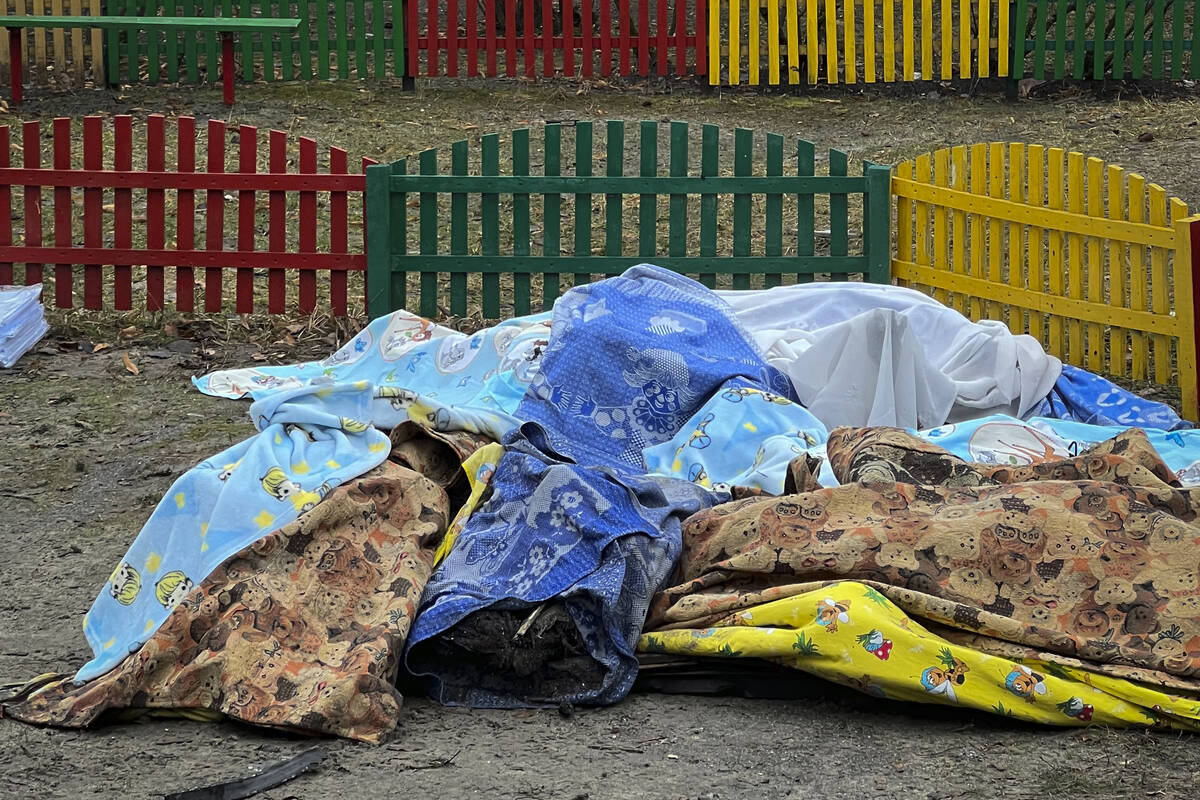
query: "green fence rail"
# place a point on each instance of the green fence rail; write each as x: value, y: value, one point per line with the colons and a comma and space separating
x: 347, y: 39
x: 762, y: 218
x: 1101, y: 39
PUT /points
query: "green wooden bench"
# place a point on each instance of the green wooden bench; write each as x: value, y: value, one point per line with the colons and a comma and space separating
x: 226, y: 26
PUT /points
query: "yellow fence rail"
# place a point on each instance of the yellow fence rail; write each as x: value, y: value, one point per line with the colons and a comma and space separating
x: 57, y: 56
x: 869, y: 41
x: 1089, y: 259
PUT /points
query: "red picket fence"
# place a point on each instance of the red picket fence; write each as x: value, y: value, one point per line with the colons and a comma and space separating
x: 572, y: 37
x: 293, y: 235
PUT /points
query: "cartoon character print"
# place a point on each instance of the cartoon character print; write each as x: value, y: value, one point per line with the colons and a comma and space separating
x: 290, y: 427
x: 404, y: 331
x: 172, y: 588
x: 455, y: 353
x: 663, y: 377
x: 354, y: 425
x: 125, y: 584
x: 277, y: 484
x: 228, y: 470
x: 699, y: 438
x: 874, y: 643
x: 830, y: 612
x: 698, y: 474
x: 400, y: 399
x: 1024, y: 682
x: 737, y: 394
x: 942, y: 678
x: 1015, y: 445
x: 352, y: 351
x: 237, y: 383
x: 1189, y: 475
x: 1075, y: 707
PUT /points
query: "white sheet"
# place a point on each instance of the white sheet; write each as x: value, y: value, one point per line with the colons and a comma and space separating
x: 867, y: 354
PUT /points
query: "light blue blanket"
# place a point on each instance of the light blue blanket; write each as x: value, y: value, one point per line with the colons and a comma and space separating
x: 311, y: 439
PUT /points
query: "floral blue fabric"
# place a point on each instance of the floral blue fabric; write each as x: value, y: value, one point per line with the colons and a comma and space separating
x: 1081, y: 396
x: 572, y: 513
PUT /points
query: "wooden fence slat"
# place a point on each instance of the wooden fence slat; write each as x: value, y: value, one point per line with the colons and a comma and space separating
x: 735, y: 42
x: 185, y: 212
x: 520, y: 166
x: 1095, y: 278
x: 1139, y: 295
x: 648, y: 203
x: 889, y: 40
x: 1035, y: 162
x: 643, y: 40
x: 458, y: 230
x: 709, y: 166
x: 703, y: 40
x: 122, y: 211
x: 1160, y: 287
x: 978, y: 184
x: 681, y: 28
x: 958, y: 221
x: 907, y: 41
x: 940, y: 177
x: 677, y: 219
x: 839, y: 212
x: 923, y: 172
x: 528, y: 45
x: 246, y: 206
x: 614, y: 203
x: 927, y: 70
x: 606, y: 39
x: 567, y: 12
x: 6, y: 220
x: 752, y: 51
x: 1014, y: 258
x: 946, y: 28
x: 849, y: 37
x: 773, y: 244
x: 32, y: 152
x: 793, y: 40
x: 582, y: 207
x: 964, y: 39
x: 1075, y: 204
x: 831, y: 42
x: 805, y: 205
x: 551, y: 212
x: 339, y: 238
x: 307, y: 283
x: 1055, y: 161
x: 585, y: 25
x: 660, y: 29
x: 490, y: 201
x: 214, y: 217
x: 1116, y: 270
x: 156, y: 231
x: 64, y: 284
x: 277, y: 223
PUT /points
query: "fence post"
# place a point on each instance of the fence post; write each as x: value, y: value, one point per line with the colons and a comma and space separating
x: 877, y: 223
x: 1016, y: 42
x: 408, y: 79
x: 1188, y: 231
x: 377, y: 219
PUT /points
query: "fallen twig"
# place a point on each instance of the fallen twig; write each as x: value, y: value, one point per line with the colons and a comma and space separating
x: 269, y: 778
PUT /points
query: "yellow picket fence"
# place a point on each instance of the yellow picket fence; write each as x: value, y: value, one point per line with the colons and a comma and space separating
x: 872, y: 41
x: 1089, y: 259
x: 56, y: 56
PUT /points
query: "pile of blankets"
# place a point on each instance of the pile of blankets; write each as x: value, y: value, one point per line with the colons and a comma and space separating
x: 851, y: 480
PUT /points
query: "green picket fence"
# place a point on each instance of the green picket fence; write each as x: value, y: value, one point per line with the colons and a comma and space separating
x: 1102, y: 39
x: 514, y: 239
x: 347, y: 39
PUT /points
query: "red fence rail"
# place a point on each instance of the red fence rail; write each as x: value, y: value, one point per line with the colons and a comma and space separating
x: 569, y: 37
x: 121, y: 238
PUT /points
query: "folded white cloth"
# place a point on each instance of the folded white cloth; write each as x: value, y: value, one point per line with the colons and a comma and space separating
x: 869, y: 354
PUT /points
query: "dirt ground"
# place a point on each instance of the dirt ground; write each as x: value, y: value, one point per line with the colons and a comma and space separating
x: 87, y: 448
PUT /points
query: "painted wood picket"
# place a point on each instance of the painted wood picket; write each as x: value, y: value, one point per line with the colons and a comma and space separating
x: 1094, y: 262
x: 108, y: 233
x: 556, y: 37
x: 759, y: 221
x: 851, y: 41
x: 55, y: 57
x: 346, y: 39
x: 1114, y: 39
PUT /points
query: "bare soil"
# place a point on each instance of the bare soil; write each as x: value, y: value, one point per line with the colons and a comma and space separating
x: 87, y: 448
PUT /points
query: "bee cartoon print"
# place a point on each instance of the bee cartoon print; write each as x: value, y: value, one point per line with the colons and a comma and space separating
x: 277, y: 484
x: 172, y: 588
x: 941, y: 679
x: 1024, y: 682
x: 400, y: 399
x: 831, y: 612
x: 125, y: 584
x: 228, y: 470
x: 874, y: 643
